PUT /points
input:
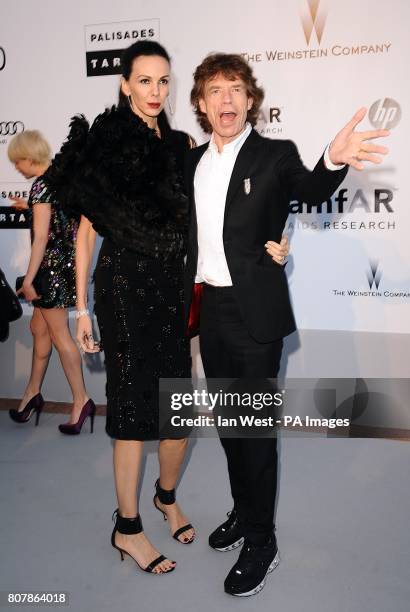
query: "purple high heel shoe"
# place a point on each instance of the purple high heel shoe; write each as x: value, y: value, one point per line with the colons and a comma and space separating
x: 35, y: 405
x: 73, y: 429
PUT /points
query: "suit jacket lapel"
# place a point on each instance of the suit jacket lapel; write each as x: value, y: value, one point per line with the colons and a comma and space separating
x: 242, y: 165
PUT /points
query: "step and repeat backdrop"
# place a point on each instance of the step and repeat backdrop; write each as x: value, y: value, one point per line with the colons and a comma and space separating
x: 318, y: 61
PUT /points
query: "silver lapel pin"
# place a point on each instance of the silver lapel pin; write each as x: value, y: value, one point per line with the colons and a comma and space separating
x: 247, y: 185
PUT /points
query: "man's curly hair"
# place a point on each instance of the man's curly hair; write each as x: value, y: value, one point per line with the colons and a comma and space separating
x: 231, y: 66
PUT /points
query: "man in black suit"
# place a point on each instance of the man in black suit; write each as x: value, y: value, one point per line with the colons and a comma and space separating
x: 240, y: 185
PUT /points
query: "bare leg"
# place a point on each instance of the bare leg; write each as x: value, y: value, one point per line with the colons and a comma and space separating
x: 57, y: 323
x: 40, y: 358
x: 127, y: 464
x: 170, y: 455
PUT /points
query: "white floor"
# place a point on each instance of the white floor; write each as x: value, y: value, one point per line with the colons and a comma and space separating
x: 342, y: 525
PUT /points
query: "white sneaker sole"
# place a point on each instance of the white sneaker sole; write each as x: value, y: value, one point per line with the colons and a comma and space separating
x: 260, y: 586
x: 231, y: 547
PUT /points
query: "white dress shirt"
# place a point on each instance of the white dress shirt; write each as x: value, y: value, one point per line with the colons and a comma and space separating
x: 211, y: 181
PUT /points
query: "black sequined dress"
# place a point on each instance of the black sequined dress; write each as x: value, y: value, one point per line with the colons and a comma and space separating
x: 131, y: 190
x: 59, y: 255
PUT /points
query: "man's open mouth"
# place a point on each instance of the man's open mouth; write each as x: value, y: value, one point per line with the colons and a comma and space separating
x: 227, y: 117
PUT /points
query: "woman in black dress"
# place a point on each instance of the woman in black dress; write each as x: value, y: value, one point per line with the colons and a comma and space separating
x: 124, y: 177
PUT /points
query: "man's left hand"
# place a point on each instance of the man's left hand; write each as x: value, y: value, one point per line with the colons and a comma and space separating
x: 352, y: 148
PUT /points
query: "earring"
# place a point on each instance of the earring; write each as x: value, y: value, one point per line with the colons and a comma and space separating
x: 130, y: 101
x: 171, y: 111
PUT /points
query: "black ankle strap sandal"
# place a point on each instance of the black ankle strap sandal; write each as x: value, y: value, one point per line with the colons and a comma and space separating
x: 167, y: 498
x: 129, y: 526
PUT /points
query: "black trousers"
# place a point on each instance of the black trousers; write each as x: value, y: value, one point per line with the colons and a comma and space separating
x: 228, y: 351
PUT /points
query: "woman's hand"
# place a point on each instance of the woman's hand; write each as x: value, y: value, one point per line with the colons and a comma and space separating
x: 278, y: 252
x: 84, y: 335
x: 28, y: 291
x: 18, y: 203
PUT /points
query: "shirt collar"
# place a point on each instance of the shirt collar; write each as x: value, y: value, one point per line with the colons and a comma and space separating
x: 234, y: 145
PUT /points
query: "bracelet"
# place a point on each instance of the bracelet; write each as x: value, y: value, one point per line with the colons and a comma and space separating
x: 80, y: 313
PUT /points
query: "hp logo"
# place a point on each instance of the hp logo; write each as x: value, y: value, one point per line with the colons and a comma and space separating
x: 385, y: 114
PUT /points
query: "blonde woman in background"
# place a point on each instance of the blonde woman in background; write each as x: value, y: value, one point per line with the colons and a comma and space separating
x: 51, y: 266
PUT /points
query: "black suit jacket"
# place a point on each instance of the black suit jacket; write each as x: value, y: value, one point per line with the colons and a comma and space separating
x: 276, y: 175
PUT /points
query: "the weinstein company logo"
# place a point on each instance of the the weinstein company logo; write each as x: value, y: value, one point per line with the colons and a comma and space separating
x: 374, y: 274
x: 313, y: 19
x: 385, y: 114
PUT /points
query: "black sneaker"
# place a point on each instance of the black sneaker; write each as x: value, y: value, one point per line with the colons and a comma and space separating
x: 248, y: 575
x: 227, y: 536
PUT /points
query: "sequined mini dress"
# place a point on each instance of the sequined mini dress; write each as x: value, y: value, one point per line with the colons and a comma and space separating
x: 128, y: 183
x: 59, y: 256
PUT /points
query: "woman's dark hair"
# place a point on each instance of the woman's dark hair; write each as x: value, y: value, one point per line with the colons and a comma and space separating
x: 142, y: 47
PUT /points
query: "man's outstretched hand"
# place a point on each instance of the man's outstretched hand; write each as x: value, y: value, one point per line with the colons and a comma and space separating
x: 352, y: 148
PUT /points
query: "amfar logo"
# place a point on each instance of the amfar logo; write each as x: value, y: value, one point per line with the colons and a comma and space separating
x: 273, y: 115
x: 270, y: 121
x: 385, y: 114
x: 315, y: 19
x: 9, y: 128
x: 374, y: 274
x: 344, y: 201
x: 105, y: 43
x: 2, y: 58
x: 346, y: 210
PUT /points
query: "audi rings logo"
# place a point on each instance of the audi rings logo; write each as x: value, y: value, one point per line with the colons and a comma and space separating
x: 2, y: 58
x: 9, y: 128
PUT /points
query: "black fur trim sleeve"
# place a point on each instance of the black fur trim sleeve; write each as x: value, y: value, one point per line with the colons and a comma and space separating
x: 125, y: 180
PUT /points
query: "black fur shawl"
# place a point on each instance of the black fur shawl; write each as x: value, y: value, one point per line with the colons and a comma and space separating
x: 125, y: 180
